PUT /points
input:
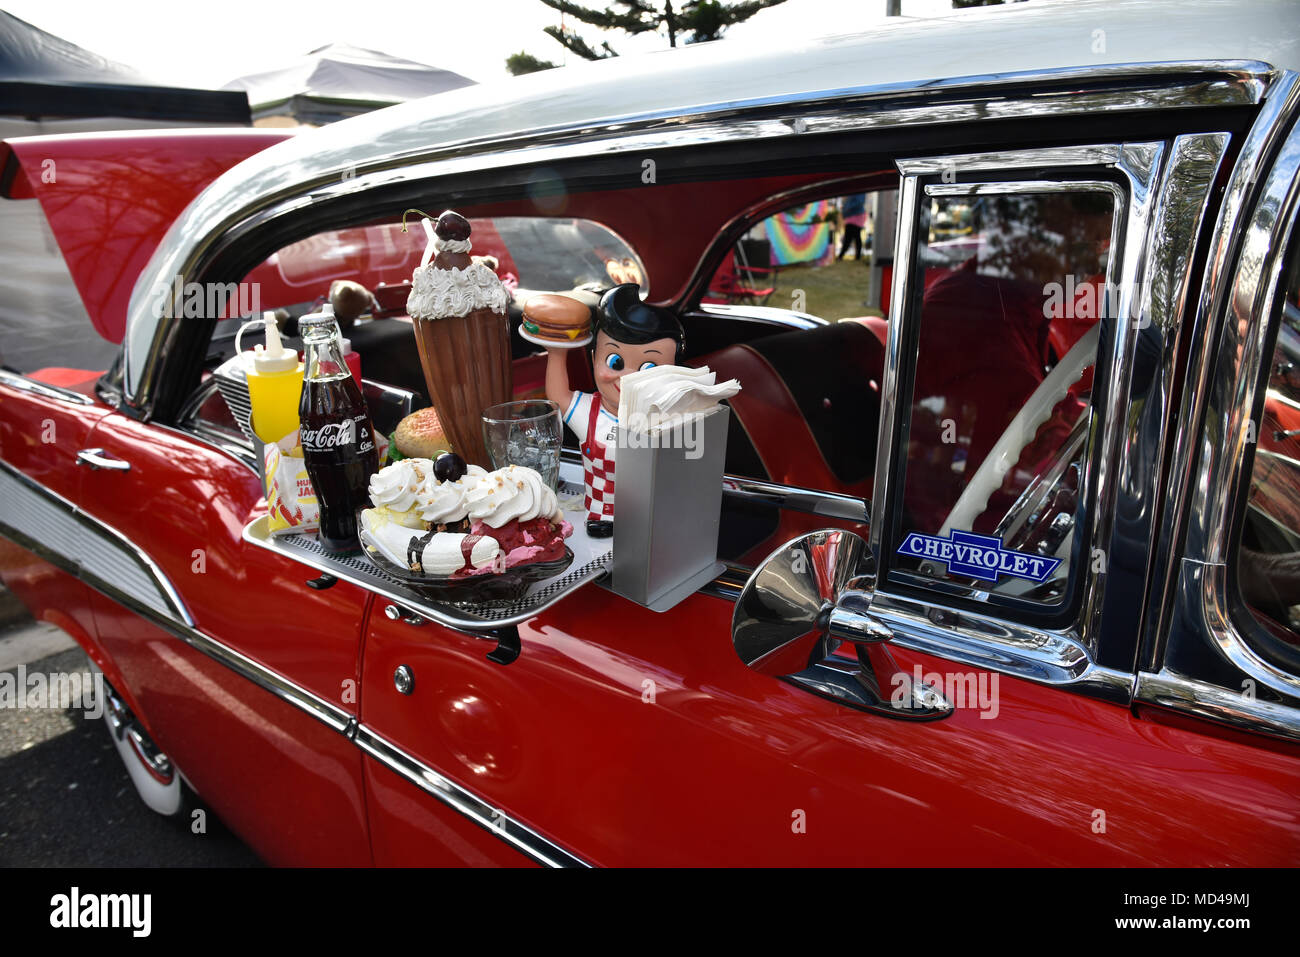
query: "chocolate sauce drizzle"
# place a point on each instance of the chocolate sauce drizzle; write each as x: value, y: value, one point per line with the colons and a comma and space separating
x: 415, y: 550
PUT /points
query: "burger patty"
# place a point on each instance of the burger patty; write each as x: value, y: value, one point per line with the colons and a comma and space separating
x: 547, y: 330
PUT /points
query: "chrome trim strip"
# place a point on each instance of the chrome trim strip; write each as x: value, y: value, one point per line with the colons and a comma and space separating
x: 328, y: 713
x: 487, y: 816
x: 811, y: 501
x: 1044, y: 657
x: 225, y: 212
x: 831, y: 504
x: 88, y: 524
x: 1233, y: 708
x: 22, y: 383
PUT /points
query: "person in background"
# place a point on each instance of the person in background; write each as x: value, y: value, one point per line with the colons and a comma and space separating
x: 854, y: 209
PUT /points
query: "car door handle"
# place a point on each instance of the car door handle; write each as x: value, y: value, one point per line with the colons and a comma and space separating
x: 99, y: 459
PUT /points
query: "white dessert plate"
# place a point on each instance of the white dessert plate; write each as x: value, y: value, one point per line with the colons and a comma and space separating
x: 555, y: 343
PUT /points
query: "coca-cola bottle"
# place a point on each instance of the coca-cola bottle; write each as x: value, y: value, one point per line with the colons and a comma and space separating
x: 338, y: 442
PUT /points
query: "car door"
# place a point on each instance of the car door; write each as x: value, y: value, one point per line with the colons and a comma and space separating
x: 245, y: 677
x: 623, y: 736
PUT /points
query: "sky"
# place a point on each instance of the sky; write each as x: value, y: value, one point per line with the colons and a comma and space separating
x: 208, y: 44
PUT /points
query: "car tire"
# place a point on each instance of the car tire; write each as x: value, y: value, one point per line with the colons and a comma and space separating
x: 157, y: 781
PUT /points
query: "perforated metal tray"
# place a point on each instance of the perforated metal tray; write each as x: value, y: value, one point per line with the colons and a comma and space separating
x: 591, y: 558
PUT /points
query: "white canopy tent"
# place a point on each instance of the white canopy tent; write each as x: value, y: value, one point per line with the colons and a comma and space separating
x: 338, y: 81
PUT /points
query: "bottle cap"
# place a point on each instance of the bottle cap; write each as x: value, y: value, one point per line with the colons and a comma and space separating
x: 321, y: 322
x: 273, y: 356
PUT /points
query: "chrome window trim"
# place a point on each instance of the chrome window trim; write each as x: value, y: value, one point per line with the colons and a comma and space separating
x: 1211, y: 702
x: 1156, y: 208
x: 1251, y: 166
x: 22, y: 383
x: 230, y: 207
x: 1207, y: 479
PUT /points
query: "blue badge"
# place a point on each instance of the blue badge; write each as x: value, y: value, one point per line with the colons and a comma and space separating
x: 978, y: 556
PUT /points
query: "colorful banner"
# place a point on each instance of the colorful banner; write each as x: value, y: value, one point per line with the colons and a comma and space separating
x: 799, y: 235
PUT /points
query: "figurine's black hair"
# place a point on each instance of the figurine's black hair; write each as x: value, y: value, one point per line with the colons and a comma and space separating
x: 624, y: 317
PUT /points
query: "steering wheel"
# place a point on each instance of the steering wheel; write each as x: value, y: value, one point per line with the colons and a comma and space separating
x: 1022, y: 429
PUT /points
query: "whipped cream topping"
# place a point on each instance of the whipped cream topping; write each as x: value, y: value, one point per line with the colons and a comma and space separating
x: 397, y: 486
x: 444, y: 503
x: 451, y: 245
x: 494, y: 498
x: 510, y: 493
x: 438, y: 293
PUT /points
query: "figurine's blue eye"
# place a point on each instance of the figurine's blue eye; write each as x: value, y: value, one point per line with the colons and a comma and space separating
x: 647, y: 365
x: 614, y: 361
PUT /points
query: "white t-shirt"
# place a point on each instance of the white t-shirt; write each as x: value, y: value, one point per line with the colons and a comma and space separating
x: 598, y: 475
x: 578, y: 415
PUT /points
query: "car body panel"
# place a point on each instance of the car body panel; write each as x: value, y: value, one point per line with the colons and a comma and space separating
x: 628, y: 743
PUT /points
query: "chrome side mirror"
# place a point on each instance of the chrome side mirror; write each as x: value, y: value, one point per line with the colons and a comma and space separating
x: 802, y: 603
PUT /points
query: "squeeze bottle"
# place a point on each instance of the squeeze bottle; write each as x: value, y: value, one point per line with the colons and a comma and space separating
x: 274, y: 382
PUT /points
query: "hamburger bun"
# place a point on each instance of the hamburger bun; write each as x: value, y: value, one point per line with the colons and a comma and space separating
x: 556, y: 318
x: 420, y: 435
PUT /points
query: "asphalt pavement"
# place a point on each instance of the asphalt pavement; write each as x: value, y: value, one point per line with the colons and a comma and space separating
x: 65, y: 798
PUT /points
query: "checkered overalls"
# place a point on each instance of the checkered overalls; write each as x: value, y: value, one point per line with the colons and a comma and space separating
x: 597, y: 471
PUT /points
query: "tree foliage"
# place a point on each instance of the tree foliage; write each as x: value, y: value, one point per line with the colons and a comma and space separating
x: 694, y: 21
x: 520, y: 63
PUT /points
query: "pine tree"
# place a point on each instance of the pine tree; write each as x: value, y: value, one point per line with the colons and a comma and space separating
x: 517, y: 64
x: 696, y: 21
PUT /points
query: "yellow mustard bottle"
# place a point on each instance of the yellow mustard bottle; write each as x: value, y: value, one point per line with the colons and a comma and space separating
x: 274, y: 383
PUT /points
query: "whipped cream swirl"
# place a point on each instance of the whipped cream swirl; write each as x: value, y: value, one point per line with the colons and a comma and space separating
x: 444, y: 503
x: 494, y: 498
x: 438, y: 293
x: 451, y: 245
x: 397, y: 486
x: 510, y: 493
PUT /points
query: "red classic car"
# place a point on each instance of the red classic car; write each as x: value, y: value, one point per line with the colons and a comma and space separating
x: 1015, y: 569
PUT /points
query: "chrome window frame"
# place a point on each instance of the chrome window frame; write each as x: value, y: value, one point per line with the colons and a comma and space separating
x: 233, y: 205
x: 1118, y: 241
x: 1157, y: 225
x: 1208, y: 479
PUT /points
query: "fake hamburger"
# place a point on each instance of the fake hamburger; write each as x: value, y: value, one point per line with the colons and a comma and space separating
x: 420, y: 435
x: 554, y: 318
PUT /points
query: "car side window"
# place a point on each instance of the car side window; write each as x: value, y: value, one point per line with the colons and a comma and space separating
x: 1268, y: 557
x: 1009, y: 294
x: 375, y: 262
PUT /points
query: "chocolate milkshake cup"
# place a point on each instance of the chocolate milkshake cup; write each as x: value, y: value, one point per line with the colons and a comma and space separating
x: 458, y: 309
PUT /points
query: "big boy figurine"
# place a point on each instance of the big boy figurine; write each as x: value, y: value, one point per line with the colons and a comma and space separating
x: 628, y: 336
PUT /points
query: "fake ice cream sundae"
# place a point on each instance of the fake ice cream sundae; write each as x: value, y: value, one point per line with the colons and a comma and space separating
x: 444, y: 518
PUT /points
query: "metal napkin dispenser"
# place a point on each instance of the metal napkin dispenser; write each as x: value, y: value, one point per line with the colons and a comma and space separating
x: 668, y: 503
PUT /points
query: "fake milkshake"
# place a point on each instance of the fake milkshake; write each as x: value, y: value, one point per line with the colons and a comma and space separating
x: 458, y: 308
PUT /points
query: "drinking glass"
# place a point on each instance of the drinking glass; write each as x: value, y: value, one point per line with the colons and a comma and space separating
x: 528, y: 432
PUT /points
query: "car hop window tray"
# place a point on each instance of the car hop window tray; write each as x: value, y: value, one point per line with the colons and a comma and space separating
x: 591, y: 557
